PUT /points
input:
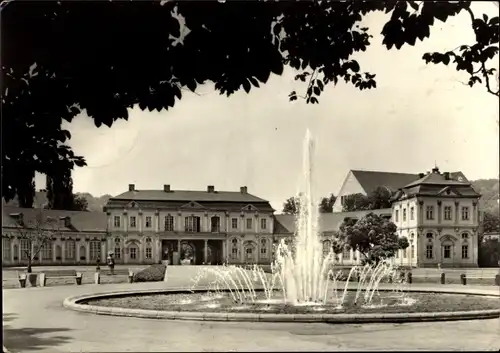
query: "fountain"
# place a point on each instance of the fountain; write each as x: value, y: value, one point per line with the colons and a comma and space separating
x: 300, y: 273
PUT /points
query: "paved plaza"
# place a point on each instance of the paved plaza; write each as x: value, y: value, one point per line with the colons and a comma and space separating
x: 35, y: 320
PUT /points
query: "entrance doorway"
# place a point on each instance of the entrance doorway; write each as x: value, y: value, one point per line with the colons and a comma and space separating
x: 447, y: 253
x: 214, y: 253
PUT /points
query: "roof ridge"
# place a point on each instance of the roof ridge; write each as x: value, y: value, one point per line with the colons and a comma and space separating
x: 382, y: 172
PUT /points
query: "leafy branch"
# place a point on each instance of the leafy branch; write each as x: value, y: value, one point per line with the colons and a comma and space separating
x: 474, y: 58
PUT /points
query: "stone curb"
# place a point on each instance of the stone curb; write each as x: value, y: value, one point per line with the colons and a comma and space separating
x: 72, y: 304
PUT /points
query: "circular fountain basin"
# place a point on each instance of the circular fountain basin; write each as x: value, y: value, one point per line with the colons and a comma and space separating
x: 388, y: 306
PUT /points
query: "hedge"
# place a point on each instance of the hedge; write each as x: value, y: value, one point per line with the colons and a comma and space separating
x: 154, y: 273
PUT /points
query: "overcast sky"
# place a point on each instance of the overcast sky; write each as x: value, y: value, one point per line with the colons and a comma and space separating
x: 418, y: 114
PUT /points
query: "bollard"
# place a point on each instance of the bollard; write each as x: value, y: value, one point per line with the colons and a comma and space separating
x: 97, y: 278
x: 463, y: 279
x: 443, y: 278
x: 497, y: 280
x: 409, y: 277
x: 130, y: 277
x: 78, y: 278
x: 22, y: 282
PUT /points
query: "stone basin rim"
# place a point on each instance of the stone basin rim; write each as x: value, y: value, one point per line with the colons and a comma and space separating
x: 73, y: 303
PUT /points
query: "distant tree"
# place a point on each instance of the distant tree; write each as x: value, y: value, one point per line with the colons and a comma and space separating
x: 38, y: 233
x: 380, y: 198
x: 491, y: 222
x: 356, y: 202
x: 291, y: 205
x: 489, y: 253
x: 326, y: 204
x: 373, y: 236
x: 60, y: 192
x: 80, y: 203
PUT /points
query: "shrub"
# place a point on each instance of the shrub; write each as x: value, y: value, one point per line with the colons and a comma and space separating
x: 154, y: 273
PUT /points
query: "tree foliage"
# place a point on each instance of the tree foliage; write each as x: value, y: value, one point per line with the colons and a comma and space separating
x: 373, y: 236
x: 326, y: 204
x: 37, y: 233
x: 292, y: 204
x: 56, y: 65
x: 377, y: 199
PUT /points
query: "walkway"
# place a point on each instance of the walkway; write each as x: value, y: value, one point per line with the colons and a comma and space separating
x: 34, y: 320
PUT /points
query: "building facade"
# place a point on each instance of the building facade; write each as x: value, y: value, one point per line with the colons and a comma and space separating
x: 438, y: 213
x: 190, y: 227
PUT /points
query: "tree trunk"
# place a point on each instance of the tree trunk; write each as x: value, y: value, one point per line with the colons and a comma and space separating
x: 29, y: 267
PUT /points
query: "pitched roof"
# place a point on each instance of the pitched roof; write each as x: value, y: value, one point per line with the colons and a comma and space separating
x: 80, y: 220
x: 328, y: 222
x: 188, y: 195
x: 442, y: 184
x: 370, y: 180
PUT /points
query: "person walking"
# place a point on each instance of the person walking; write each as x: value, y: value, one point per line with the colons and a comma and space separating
x: 111, y: 262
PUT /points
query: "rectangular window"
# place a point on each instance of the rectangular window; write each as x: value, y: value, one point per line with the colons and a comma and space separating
x: 25, y: 245
x: 346, y: 254
x: 413, y: 251
x: 263, y: 223
x: 149, y: 223
x: 429, y: 252
x: 132, y: 222
x: 249, y: 223
x: 234, y: 223
x: 215, y: 224
x: 397, y: 254
x: 47, y: 251
x: 118, y: 252
x: 149, y: 253
x: 70, y: 249
x: 447, y: 252
x: 192, y: 224
x: 169, y: 223
x: 6, y: 249
x: 397, y: 216
x: 133, y: 253
x: 404, y: 214
x: 447, y: 213
x: 429, y: 213
x: 465, y: 213
x: 465, y: 236
x: 465, y: 251
x: 234, y: 253
x: 95, y: 250
x: 404, y: 253
x: 117, y: 221
x: 412, y: 213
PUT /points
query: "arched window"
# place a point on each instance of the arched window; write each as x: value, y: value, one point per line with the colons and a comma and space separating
x: 118, y: 249
x: 327, y: 247
x: 6, y: 243
x: 149, y: 249
x: 70, y: 249
x: 215, y: 224
x: 47, y: 251
x: 465, y: 236
x: 346, y: 253
x: 263, y: 247
x: 234, y: 249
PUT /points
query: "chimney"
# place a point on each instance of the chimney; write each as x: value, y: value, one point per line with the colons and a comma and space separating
x: 446, y: 175
x: 210, y: 188
x: 131, y: 187
x: 421, y: 175
x: 66, y: 220
x: 243, y: 189
x: 166, y: 187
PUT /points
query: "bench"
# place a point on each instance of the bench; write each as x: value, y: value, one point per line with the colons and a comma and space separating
x: 60, y: 274
x: 430, y: 274
x: 479, y: 275
x: 117, y: 272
